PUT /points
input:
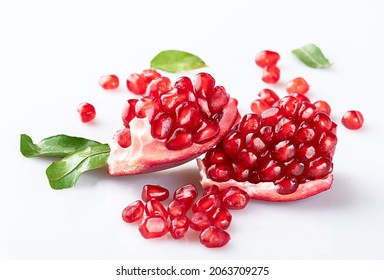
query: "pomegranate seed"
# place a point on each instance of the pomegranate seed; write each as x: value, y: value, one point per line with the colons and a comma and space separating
x: 271, y: 116
x: 87, y: 112
x: 247, y: 158
x: 270, y: 171
x: 123, y: 137
x: 353, y: 119
x: 271, y: 74
x: 327, y: 143
x: 206, y: 132
x: 170, y: 100
x: 266, y: 58
x: 179, y: 226
x: 177, y: 208
x: 217, y: 99
x: 269, y: 96
x: 187, y: 115
x: 222, y: 218
x: 258, y: 106
x: 287, y: 185
x: 284, y: 129
x: 250, y: 123
x: 214, y: 237
x: 133, y: 212
x: 290, y: 105
x: 305, y: 133
x: 109, y: 82
x: 284, y: 151
x: 235, y: 198
x: 207, y: 204
x: 199, y: 221
x: 322, y: 122
x: 302, y: 97
x: 322, y: 106
x: 158, y: 86
x: 153, y: 227
x: 150, y: 74
x: 233, y: 144
x: 162, y: 126
x: 297, y: 85
x: 184, y: 86
x: 306, y: 111
x: 255, y: 144
x: 137, y: 84
x: 147, y: 107
x: 204, y: 84
x: 216, y: 155
x: 305, y: 152
x: 155, y: 208
x: 154, y: 191
x: 180, y: 139
x: 129, y: 111
x: 319, y: 168
x: 239, y: 171
x: 187, y: 194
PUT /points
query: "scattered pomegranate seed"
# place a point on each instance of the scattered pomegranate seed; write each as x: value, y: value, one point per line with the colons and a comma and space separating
x: 154, y: 191
x: 271, y: 74
x: 297, y: 85
x: 187, y: 194
x: 87, y: 112
x: 133, y: 212
x: 258, y: 106
x: 179, y: 226
x: 353, y: 119
x: 267, y: 58
x: 123, y: 137
x: 137, y: 84
x: 155, y: 208
x: 268, y: 96
x: 153, y: 227
x: 222, y: 218
x: 234, y: 198
x: 214, y: 237
x: 322, y: 106
x: 109, y: 82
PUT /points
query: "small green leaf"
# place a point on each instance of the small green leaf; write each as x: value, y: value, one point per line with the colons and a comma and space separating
x: 55, y: 146
x: 64, y: 173
x: 176, y: 61
x: 312, y: 56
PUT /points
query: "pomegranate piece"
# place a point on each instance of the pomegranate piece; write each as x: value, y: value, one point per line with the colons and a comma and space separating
x: 133, y: 212
x: 87, y: 112
x: 214, y: 237
x: 170, y: 125
x: 297, y: 85
x: 154, y: 192
x: 109, y: 82
x: 271, y: 74
x: 266, y: 58
x: 285, y: 156
x: 353, y: 119
x: 153, y: 227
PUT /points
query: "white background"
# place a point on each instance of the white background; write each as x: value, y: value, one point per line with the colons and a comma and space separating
x: 52, y: 54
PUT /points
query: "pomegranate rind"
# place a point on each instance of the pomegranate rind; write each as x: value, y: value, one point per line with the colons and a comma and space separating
x: 147, y: 154
x: 267, y: 191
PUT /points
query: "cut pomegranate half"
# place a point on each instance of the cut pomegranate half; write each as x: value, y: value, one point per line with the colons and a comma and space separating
x: 168, y: 128
x: 284, y: 154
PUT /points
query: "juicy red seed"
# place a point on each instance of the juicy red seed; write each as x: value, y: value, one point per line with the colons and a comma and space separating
x: 162, y: 126
x: 187, y: 193
x: 297, y: 85
x: 266, y: 58
x: 179, y: 226
x: 305, y: 152
x: 133, y: 212
x: 233, y: 144
x: 153, y: 227
x: 184, y: 86
x: 322, y: 106
x: 158, y: 87
x: 319, y: 168
x: 284, y: 129
x: 87, y: 112
x: 147, y: 107
x: 306, y: 111
x: 266, y: 134
x: 154, y: 192
x: 177, y: 208
x: 199, y: 221
x: 207, y: 204
x: 123, y: 137
x: 213, y: 189
x: 180, y: 139
x: 258, y: 106
x: 284, y: 151
x: 322, y: 122
x: 269, y: 96
x: 214, y: 237
x: 271, y: 116
x: 353, y: 119
x: 247, y: 158
x: 206, y: 132
x: 239, y: 171
x: 250, y: 123
x: 289, y: 106
x: 255, y: 144
x: 305, y: 133
x: 302, y: 97
x: 187, y: 115
x: 287, y: 185
x: 109, y: 82
x: 294, y: 168
x: 137, y: 84
x: 270, y: 171
x: 222, y: 218
x: 234, y: 198
x: 218, y: 172
x: 271, y: 74
x: 217, y: 99
x: 129, y: 111
x: 150, y: 74
x: 170, y: 100
x: 216, y: 155
x: 327, y: 143
x: 204, y: 83
x: 155, y: 208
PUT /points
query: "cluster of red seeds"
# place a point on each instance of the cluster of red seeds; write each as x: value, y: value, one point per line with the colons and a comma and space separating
x: 208, y: 215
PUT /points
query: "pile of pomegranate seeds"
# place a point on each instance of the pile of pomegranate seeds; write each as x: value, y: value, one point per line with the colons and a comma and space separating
x: 208, y: 215
x: 87, y: 112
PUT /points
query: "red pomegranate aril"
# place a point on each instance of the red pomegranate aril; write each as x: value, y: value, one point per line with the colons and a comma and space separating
x: 150, y: 74
x: 306, y: 111
x: 214, y: 237
x: 294, y: 168
x: 234, y: 198
x: 158, y: 86
x: 323, y: 106
x: 184, y: 86
x: 154, y: 192
x: 217, y: 99
x: 271, y: 116
x: 187, y: 115
x: 177, y: 208
x: 233, y: 144
x: 187, y: 194
x: 258, y: 106
x: 171, y: 99
x: 133, y: 212
x: 287, y: 185
x: 305, y: 152
x: 129, y: 111
x: 179, y: 227
x: 207, y: 204
x: 222, y: 218
x: 255, y: 144
x: 284, y: 129
x: 319, y: 168
x: 239, y: 172
x: 155, y: 208
x: 266, y: 58
x: 180, y: 139
x: 322, y: 122
x: 305, y: 133
x: 297, y: 85
x: 269, y: 96
x: 199, y: 221
x: 216, y: 155
x: 271, y: 74
x: 206, y: 132
x: 109, y: 82
x: 353, y: 119
x: 250, y: 123
x: 270, y: 171
x: 87, y: 112
x: 247, y: 158
x: 327, y: 143
x: 147, y: 107
x: 302, y: 97
x: 289, y: 106
x: 266, y: 134
x: 123, y: 137
x: 137, y: 84
x: 284, y: 151
x: 162, y: 126
x: 204, y: 83
x: 153, y: 227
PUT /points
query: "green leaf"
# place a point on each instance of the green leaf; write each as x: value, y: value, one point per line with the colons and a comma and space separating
x: 64, y: 173
x: 176, y: 61
x: 55, y: 146
x: 312, y: 56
